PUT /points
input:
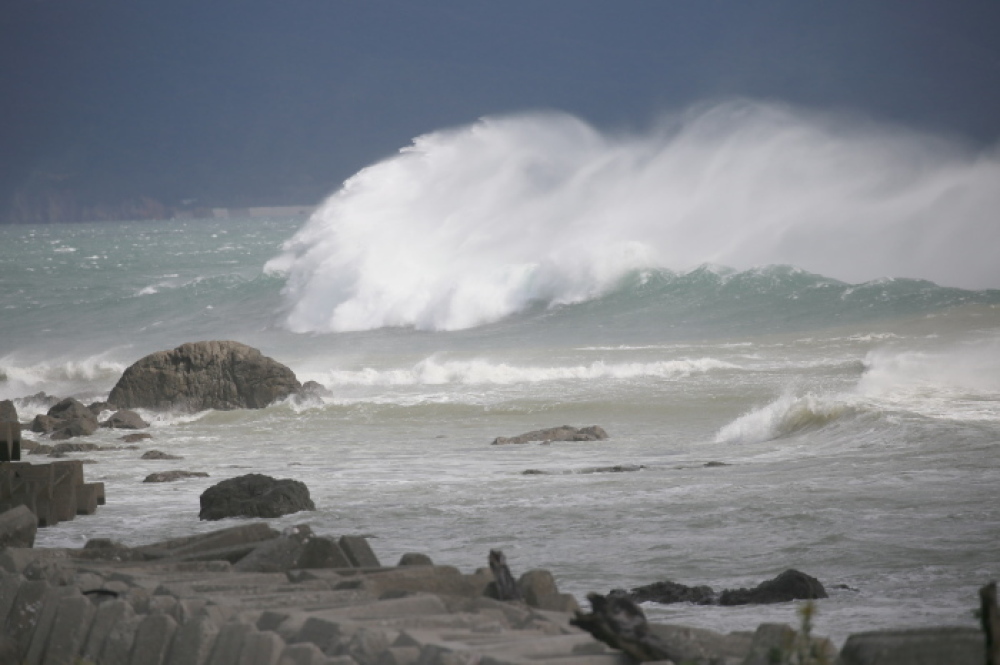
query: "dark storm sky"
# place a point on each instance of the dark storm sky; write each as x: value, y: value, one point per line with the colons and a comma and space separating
x: 277, y: 101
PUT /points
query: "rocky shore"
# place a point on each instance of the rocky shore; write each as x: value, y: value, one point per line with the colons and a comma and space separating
x: 248, y: 595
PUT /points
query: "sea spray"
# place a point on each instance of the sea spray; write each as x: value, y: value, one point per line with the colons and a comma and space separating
x: 467, y: 226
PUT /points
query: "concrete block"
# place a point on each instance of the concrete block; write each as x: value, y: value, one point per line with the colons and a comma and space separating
x: 302, y: 654
x: 399, y: 656
x: 319, y: 552
x: 73, y: 621
x: 9, y: 584
x: 193, y: 642
x: 117, y: 649
x: 45, y: 620
x: 921, y: 646
x: 24, y: 614
x: 359, y: 552
x: 88, y: 497
x: 162, y: 605
x: 441, y: 580
x: 229, y: 643
x: 538, y: 588
x: 17, y: 527
x: 244, y: 534
x: 769, y: 638
x: 368, y: 643
x: 701, y: 644
x: 152, y: 641
x: 263, y: 648
x: 326, y: 633
x: 10, y: 440
x: 109, y: 614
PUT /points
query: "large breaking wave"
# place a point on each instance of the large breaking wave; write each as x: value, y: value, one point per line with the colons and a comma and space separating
x: 469, y: 225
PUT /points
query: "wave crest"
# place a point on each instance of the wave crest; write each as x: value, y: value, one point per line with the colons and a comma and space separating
x: 470, y: 225
x: 785, y: 416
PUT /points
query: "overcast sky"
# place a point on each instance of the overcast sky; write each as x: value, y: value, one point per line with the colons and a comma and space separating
x: 276, y: 102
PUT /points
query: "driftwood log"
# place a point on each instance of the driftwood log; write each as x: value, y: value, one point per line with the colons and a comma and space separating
x: 990, y: 617
x: 506, y: 585
x: 620, y: 623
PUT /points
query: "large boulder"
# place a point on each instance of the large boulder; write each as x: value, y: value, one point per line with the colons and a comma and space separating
x: 204, y: 375
x: 789, y: 585
x: 564, y: 433
x: 254, y: 495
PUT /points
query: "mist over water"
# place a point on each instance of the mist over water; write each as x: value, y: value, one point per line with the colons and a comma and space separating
x: 469, y: 225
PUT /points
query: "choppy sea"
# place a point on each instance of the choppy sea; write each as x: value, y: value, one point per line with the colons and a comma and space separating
x: 857, y: 423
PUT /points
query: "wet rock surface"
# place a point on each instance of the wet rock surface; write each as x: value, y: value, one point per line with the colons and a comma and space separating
x: 220, y: 375
x: 563, y: 433
x: 254, y: 495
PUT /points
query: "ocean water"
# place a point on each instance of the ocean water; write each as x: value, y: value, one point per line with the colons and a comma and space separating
x: 857, y: 417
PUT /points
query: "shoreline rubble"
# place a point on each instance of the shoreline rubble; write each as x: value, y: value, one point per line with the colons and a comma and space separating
x: 248, y: 595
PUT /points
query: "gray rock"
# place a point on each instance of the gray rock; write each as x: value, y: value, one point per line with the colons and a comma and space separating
x: 415, y: 559
x: 70, y: 409
x: 171, y: 476
x: 204, y: 375
x: 359, y: 551
x: 789, y: 585
x: 97, y: 408
x: 135, y: 438
x: 18, y: 527
x: 66, y: 419
x: 254, y: 495
x: 125, y: 419
x: 43, y: 424
x: 67, y: 429
x: 668, y: 592
x: 564, y: 433
x: 156, y: 454
x: 921, y: 646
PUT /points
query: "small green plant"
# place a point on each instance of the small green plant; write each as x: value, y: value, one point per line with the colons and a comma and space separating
x: 801, y: 648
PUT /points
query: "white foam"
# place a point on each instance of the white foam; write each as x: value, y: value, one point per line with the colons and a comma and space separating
x: 789, y: 414
x: 432, y: 371
x: 90, y: 375
x: 469, y: 225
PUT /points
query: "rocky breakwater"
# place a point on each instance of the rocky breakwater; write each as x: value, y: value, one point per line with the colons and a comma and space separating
x: 248, y: 594
x: 222, y: 375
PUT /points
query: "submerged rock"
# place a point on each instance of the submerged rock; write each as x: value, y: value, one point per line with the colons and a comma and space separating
x: 564, y: 433
x: 157, y: 454
x: 668, y: 592
x: 204, y: 375
x: 170, y: 476
x: 789, y: 585
x: 254, y: 495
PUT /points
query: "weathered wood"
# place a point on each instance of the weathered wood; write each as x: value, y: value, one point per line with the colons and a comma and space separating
x: 506, y: 585
x: 621, y: 624
x: 990, y: 618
